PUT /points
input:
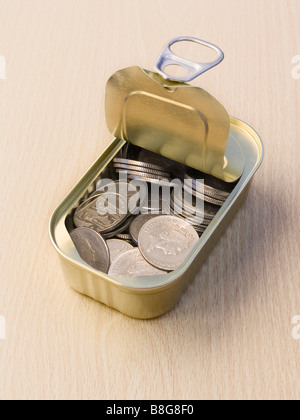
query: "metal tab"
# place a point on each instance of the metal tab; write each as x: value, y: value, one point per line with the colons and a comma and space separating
x: 193, y: 69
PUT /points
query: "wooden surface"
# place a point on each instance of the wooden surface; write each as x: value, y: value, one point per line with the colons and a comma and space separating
x: 231, y: 334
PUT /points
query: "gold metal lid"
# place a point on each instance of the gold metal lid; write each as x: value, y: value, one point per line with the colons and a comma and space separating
x: 172, y: 118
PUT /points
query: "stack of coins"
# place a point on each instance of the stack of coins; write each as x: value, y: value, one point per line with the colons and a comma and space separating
x: 208, y: 193
x: 155, y: 237
x: 178, y: 170
x: 140, y: 170
x: 199, y: 219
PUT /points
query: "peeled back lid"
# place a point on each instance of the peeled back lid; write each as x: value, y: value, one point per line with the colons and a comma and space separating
x: 172, y: 118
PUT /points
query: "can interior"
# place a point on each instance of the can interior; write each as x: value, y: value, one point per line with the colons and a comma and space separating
x: 62, y: 219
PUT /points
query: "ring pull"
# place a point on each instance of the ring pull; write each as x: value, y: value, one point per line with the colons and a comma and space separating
x: 193, y: 68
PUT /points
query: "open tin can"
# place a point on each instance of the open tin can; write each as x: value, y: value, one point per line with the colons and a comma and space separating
x: 164, y: 115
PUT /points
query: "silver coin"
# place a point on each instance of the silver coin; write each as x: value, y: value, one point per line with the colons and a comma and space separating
x: 141, y: 174
x: 139, y: 163
x: 193, y: 220
x: 124, y: 236
x: 170, y: 165
x: 200, y: 217
x: 190, y: 212
x: 199, y: 228
x: 166, y: 241
x: 119, y: 187
x: 204, y: 197
x: 130, y: 191
x: 137, y: 224
x: 195, y: 225
x: 87, y: 214
x: 117, y: 247
x: 162, y: 182
x: 132, y: 264
x: 192, y: 184
x: 95, y: 193
x: 155, y: 205
x: 140, y: 166
x: 210, y: 210
x: 91, y: 247
x: 151, y: 209
x: 124, y: 227
x: 122, y: 167
x: 154, y: 212
x: 211, y: 184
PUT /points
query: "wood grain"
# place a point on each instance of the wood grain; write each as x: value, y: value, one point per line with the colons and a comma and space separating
x: 231, y: 335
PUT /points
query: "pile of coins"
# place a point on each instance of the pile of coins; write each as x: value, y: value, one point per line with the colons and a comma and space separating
x: 140, y: 170
x: 201, y: 220
x: 211, y: 189
x: 151, y: 238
